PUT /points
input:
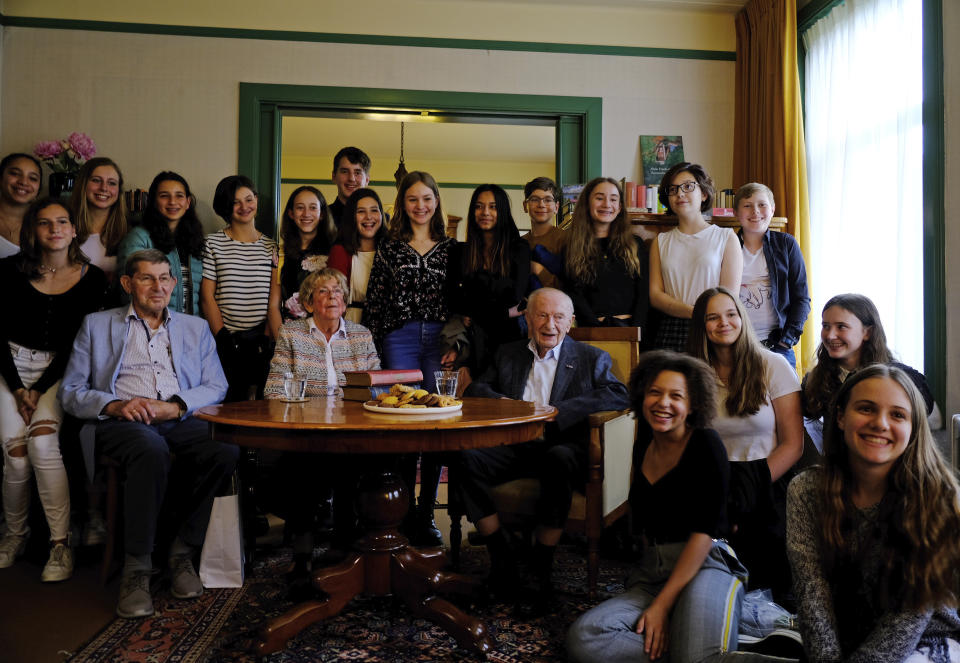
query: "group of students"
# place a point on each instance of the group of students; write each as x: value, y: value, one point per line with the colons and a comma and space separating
x: 866, y: 542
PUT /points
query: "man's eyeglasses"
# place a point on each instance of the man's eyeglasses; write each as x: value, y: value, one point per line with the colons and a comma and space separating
x: 546, y: 200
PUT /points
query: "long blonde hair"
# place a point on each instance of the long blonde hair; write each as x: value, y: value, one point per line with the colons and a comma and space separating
x: 922, y: 551
x: 582, y: 248
x: 115, y: 229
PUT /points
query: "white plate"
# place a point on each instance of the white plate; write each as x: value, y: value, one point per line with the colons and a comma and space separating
x: 373, y: 407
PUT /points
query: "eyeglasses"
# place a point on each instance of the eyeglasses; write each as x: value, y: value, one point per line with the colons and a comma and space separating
x: 536, y: 200
x: 686, y: 187
x: 330, y: 292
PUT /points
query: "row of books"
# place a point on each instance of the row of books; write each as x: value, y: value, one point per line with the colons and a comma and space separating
x: 367, y: 385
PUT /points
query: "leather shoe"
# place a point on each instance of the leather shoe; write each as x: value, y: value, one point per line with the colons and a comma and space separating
x: 184, y: 581
x: 426, y: 533
x: 135, y: 600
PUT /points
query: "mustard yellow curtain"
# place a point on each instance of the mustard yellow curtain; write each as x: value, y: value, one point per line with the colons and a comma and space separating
x: 768, y: 122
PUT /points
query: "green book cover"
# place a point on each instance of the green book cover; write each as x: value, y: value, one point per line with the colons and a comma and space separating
x: 659, y: 154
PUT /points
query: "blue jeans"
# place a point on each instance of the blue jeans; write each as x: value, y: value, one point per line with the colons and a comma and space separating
x: 785, y: 352
x: 415, y: 345
x: 703, y: 623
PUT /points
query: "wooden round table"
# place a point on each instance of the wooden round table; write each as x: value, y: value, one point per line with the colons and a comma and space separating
x: 383, y: 563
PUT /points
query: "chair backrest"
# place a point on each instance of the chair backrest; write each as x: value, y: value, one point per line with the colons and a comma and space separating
x: 621, y: 343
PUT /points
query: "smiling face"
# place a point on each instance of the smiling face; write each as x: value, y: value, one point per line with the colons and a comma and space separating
x: 754, y: 213
x: 53, y: 229
x: 420, y: 204
x: 549, y: 317
x: 305, y: 213
x: 485, y: 211
x: 149, y: 288
x: 103, y: 187
x: 328, y: 302
x: 876, y: 423
x: 541, y: 206
x: 666, y: 403
x: 21, y: 181
x: 244, y: 206
x: 686, y: 202
x: 722, y: 321
x: 369, y: 217
x: 604, y: 207
x: 349, y: 177
x: 842, y: 334
x: 172, y: 200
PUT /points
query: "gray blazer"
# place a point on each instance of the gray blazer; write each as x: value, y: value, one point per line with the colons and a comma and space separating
x: 584, y: 383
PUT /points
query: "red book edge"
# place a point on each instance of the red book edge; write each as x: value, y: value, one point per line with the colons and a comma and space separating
x: 373, y: 378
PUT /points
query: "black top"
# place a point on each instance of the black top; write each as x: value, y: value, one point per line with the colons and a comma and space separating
x: 692, y: 497
x: 487, y: 299
x: 614, y: 291
x: 336, y: 211
x: 44, y: 322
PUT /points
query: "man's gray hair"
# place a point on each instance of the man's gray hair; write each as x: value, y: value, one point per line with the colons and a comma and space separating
x: 540, y: 292
x: 152, y: 256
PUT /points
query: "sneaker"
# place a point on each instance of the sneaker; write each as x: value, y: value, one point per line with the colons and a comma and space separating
x: 184, y: 581
x: 95, y: 531
x: 135, y: 600
x: 59, y: 566
x: 11, y: 547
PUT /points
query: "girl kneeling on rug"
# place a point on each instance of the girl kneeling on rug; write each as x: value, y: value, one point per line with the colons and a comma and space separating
x: 683, y: 597
x: 872, y: 533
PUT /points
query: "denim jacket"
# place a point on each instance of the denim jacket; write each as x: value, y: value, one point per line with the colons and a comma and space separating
x: 139, y: 238
x: 788, y: 285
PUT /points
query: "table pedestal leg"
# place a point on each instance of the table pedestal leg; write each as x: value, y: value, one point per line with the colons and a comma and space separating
x: 384, y: 565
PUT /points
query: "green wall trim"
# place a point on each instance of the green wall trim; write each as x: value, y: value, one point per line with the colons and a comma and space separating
x: 934, y: 200
x: 372, y: 40
x: 443, y: 185
x: 579, y: 121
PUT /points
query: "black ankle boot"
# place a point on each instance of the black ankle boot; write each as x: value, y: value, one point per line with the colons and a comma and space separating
x: 425, y: 531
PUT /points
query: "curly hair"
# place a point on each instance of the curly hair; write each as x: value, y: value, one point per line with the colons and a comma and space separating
x: 400, y: 227
x: 504, y: 234
x: 582, y: 248
x: 747, y: 385
x: 822, y: 382
x: 700, y: 378
x: 921, y: 507
x: 115, y: 228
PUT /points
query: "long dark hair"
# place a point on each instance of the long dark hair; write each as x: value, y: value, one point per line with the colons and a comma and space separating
x: 823, y: 380
x: 188, y: 239
x: 400, y: 227
x: 349, y: 235
x: 321, y: 242
x: 921, y: 549
x: 115, y: 229
x: 504, y: 233
x: 29, y: 258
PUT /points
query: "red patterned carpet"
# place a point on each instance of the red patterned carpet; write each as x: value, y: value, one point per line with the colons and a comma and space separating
x: 219, y: 626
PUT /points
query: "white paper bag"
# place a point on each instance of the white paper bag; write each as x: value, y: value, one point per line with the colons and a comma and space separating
x: 221, y: 561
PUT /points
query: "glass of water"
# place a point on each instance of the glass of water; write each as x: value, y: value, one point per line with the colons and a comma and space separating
x: 446, y: 382
x: 294, y: 387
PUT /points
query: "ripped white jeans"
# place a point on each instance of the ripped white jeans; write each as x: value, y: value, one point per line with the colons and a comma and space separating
x: 42, y: 451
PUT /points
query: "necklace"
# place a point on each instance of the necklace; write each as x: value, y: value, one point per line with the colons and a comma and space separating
x: 48, y: 269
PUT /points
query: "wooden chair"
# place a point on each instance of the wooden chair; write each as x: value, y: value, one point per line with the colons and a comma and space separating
x: 609, y: 461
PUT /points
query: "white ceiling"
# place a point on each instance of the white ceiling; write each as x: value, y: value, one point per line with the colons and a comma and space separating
x: 426, y: 141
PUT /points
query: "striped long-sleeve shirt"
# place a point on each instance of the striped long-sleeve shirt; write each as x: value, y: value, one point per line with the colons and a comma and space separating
x: 242, y: 272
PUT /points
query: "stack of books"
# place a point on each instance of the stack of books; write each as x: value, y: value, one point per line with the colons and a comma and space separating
x: 367, y: 385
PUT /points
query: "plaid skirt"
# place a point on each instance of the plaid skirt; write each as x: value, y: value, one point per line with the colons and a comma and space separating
x: 672, y: 334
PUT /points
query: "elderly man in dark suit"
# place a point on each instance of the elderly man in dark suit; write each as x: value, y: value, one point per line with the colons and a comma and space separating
x: 577, y: 380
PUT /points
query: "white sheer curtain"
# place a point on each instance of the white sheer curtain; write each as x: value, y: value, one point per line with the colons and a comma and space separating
x: 863, y: 129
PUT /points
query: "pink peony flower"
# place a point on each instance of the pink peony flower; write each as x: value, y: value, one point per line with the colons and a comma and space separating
x: 47, y: 149
x: 82, y: 144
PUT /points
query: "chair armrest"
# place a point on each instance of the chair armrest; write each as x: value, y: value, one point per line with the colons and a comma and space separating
x: 600, y: 418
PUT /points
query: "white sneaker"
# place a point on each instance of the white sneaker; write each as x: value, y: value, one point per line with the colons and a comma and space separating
x: 60, y: 565
x: 11, y: 547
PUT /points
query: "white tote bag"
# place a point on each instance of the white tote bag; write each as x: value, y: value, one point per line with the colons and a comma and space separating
x: 221, y: 561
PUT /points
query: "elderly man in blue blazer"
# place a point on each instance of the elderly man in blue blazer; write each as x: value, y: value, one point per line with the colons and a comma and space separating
x: 576, y: 379
x: 137, y: 373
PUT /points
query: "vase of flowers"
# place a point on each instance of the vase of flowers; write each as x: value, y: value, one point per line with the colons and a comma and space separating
x: 64, y: 158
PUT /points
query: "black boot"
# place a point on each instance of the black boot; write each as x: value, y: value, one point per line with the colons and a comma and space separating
x: 425, y: 530
x: 504, y: 581
x: 542, y: 600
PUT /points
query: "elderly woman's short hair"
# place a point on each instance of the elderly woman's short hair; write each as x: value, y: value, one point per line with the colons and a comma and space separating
x: 310, y: 284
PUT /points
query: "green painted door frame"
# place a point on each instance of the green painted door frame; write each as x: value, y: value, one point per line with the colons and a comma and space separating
x: 578, y: 121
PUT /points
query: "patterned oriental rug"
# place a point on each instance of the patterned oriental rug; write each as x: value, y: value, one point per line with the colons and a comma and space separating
x: 221, y: 624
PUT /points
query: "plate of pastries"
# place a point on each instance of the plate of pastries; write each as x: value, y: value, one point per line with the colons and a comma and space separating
x: 406, y: 400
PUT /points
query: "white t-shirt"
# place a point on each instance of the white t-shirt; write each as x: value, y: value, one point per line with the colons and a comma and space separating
x: 8, y: 248
x: 360, y: 266
x: 689, y: 264
x: 755, y: 294
x: 97, y: 252
x: 755, y: 436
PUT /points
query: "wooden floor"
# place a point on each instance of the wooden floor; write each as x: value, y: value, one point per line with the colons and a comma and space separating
x: 44, y: 623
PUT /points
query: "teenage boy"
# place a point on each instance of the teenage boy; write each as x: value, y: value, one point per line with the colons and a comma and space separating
x: 351, y: 171
x: 541, y: 200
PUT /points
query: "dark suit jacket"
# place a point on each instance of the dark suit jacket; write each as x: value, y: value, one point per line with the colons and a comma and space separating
x: 583, y: 384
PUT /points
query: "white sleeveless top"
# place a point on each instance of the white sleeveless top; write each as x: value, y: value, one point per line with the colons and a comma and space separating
x: 689, y: 264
